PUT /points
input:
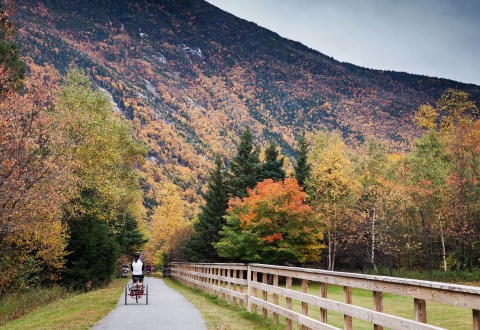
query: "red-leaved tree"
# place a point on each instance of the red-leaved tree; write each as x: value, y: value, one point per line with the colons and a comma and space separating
x: 271, y: 225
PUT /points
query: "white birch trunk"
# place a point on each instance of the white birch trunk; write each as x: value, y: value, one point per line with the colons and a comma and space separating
x: 329, y: 251
x: 334, y: 252
x: 373, y: 240
x: 443, y: 245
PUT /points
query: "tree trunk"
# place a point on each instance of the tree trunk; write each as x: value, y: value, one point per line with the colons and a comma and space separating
x: 329, y: 250
x: 373, y: 240
x: 334, y: 252
x: 443, y: 245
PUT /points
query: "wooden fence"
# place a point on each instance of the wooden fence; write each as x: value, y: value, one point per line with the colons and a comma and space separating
x: 251, y: 285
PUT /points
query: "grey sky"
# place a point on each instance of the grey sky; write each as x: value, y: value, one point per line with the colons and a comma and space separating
x: 438, y: 38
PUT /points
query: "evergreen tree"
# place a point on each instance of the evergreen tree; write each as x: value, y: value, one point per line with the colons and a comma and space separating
x: 302, y: 167
x: 210, y: 221
x: 92, y: 249
x: 273, y: 166
x: 130, y: 238
x: 245, y: 169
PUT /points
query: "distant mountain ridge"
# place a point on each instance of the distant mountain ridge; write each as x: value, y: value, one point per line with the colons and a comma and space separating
x: 191, y: 76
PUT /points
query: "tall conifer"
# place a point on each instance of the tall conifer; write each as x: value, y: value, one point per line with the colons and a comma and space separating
x: 302, y: 168
x: 210, y: 220
x: 273, y: 166
x: 245, y: 169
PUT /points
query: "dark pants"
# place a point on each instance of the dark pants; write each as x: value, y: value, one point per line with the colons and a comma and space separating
x: 137, y: 278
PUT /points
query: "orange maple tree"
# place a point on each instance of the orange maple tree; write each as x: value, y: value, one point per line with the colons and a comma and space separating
x: 272, y: 224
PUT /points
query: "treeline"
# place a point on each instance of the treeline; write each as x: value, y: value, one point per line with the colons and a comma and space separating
x: 69, y: 192
x: 351, y: 208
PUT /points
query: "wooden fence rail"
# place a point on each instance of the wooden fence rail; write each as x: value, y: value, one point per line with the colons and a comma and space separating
x: 251, y: 285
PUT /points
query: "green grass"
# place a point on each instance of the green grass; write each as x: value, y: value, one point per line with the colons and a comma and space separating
x: 80, y: 311
x: 17, y: 305
x: 452, y: 276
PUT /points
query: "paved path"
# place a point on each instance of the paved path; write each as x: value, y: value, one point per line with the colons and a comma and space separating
x: 166, y: 309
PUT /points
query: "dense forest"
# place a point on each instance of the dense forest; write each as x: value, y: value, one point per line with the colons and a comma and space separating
x: 180, y: 130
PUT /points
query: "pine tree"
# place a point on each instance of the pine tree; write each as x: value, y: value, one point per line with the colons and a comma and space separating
x: 245, y: 169
x: 210, y: 221
x: 273, y: 166
x: 92, y: 249
x: 130, y: 237
x: 302, y: 167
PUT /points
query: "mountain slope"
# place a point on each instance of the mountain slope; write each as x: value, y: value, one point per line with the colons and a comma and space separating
x: 191, y: 76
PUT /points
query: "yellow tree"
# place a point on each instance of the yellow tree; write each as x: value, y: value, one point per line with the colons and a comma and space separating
x: 105, y: 150
x: 450, y: 144
x: 452, y: 106
x: 332, y: 189
x: 170, y: 227
x: 396, y: 230
x: 371, y: 170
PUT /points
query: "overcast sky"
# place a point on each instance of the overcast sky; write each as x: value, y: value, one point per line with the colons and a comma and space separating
x: 438, y: 38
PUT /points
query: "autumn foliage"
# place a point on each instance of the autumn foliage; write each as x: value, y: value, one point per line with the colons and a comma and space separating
x: 273, y: 224
x: 68, y: 163
x: 169, y: 226
x: 35, y: 180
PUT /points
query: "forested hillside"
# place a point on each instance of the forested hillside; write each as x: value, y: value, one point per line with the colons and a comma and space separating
x: 191, y: 77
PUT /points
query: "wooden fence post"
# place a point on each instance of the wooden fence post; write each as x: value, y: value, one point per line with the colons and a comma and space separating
x: 229, y: 285
x: 241, y: 286
x: 275, y: 299
x: 234, y: 287
x: 288, y: 285
x: 195, y: 277
x: 249, y: 289
x: 377, y: 306
x: 347, y: 320
x: 219, y: 294
x: 304, y: 304
x: 323, y: 294
x: 420, y: 307
x: 265, y: 294
x: 255, y: 278
x: 476, y: 319
x: 210, y: 273
x: 222, y: 282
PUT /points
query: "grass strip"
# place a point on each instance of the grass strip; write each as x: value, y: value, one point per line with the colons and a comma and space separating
x: 19, y: 304
x: 218, y: 314
x: 80, y: 311
x: 465, y: 277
